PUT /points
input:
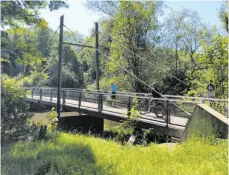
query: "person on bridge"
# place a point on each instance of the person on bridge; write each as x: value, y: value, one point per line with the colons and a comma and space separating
x: 113, y: 91
x: 155, y: 92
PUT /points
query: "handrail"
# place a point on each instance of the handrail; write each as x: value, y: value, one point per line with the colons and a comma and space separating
x: 41, y: 92
x: 199, y: 98
x: 129, y: 94
x: 94, y: 90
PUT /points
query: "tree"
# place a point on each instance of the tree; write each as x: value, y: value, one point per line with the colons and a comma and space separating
x: 182, y: 33
x: 44, y: 45
x: 174, y: 47
x: 129, y: 28
x: 72, y: 75
x: 212, y: 61
x: 18, y: 12
x: 172, y: 86
x: 108, y: 8
x: 19, y: 42
x: 224, y: 15
x: 212, y: 64
x: 21, y: 52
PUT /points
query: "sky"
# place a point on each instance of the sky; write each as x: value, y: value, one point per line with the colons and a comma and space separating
x: 78, y: 18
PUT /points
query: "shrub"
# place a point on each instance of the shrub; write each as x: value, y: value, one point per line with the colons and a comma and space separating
x: 14, y: 112
x: 52, y: 116
x: 128, y: 127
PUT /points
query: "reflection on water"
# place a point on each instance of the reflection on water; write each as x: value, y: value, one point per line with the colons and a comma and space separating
x: 40, y: 117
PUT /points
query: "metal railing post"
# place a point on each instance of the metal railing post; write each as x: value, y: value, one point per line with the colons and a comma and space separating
x: 63, y: 102
x: 129, y: 107
x: 80, y: 97
x: 32, y: 92
x: 40, y: 94
x: 51, y: 96
x: 99, y: 102
x: 167, y: 119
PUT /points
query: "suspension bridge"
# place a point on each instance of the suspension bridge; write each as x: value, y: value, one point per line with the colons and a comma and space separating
x: 96, y: 104
x: 178, y: 110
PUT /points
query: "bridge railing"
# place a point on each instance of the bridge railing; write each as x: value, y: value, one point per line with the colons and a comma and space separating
x: 122, y: 104
x: 196, y: 99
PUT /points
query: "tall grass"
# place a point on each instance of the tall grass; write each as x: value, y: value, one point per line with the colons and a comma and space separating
x: 69, y: 154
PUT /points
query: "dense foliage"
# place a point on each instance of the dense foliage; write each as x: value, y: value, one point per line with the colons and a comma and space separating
x: 133, y: 38
x: 18, y: 12
x: 181, y: 46
x: 212, y: 65
x: 14, y: 112
x: 135, y: 43
x: 23, y: 57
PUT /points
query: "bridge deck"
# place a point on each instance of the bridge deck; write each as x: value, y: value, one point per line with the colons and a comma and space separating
x: 176, y: 124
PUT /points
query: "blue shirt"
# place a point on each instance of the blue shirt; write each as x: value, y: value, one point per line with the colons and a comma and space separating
x: 114, y: 88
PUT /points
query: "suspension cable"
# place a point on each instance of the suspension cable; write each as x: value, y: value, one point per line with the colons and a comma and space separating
x: 152, y: 63
x: 49, y: 41
x: 136, y: 77
x: 148, y: 61
x: 53, y: 35
x: 80, y: 38
x: 84, y: 44
x: 77, y: 52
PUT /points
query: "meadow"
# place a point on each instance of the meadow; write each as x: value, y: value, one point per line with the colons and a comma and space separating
x: 68, y: 154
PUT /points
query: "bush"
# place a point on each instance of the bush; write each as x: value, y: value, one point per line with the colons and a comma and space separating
x: 129, y: 126
x: 14, y: 112
x: 52, y: 117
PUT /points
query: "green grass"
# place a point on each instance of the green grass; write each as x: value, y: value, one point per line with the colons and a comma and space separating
x: 69, y: 154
